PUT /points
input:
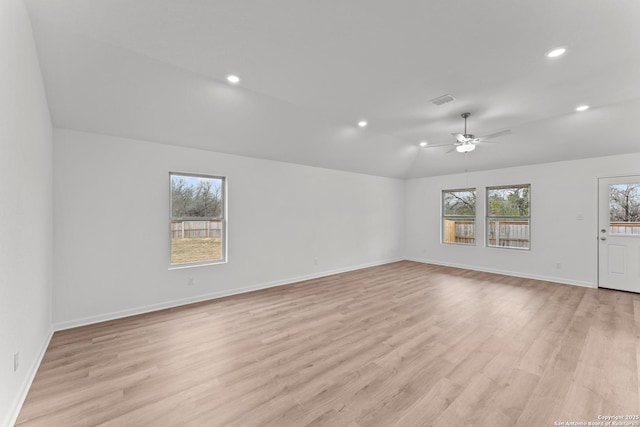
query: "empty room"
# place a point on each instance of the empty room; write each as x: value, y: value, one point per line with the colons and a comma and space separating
x: 319, y: 213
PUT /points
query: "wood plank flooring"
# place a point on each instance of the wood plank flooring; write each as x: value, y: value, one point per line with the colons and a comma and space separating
x: 404, y: 344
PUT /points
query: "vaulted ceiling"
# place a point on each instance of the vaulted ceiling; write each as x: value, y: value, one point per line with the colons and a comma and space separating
x: 310, y: 70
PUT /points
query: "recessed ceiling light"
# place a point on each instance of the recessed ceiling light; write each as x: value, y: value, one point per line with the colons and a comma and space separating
x: 554, y: 53
x: 582, y: 108
x: 232, y: 78
x: 423, y: 144
x: 362, y: 123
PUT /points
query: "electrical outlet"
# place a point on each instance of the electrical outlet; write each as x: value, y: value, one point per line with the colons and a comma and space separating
x: 190, y: 281
x: 315, y: 261
x: 558, y: 266
x: 16, y: 361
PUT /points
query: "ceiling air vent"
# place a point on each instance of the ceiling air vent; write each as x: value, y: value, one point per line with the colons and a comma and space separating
x: 442, y: 99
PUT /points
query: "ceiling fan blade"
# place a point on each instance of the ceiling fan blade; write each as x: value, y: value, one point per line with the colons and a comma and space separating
x: 460, y: 137
x: 495, y: 135
x: 452, y: 150
x: 437, y: 145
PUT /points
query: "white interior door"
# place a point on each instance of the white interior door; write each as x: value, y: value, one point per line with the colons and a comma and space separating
x: 619, y: 233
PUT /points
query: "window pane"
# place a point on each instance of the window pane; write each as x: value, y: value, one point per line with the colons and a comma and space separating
x: 196, y: 197
x: 509, y: 233
x: 459, y: 230
x: 195, y: 249
x: 509, y: 202
x: 459, y: 202
x: 624, y: 209
x: 197, y: 219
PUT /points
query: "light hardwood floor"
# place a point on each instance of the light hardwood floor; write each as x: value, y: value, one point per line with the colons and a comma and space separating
x: 404, y: 344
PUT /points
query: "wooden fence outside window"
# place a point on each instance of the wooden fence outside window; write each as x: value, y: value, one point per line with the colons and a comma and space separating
x: 191, y: 229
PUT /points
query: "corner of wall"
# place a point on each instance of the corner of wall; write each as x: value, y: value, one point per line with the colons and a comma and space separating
x: 26, y: 176
x: 14, y: 411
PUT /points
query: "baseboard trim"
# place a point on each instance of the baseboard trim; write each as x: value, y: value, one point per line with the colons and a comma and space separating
x: 24, y: 390
x: 560, y: 280
x: 210, y: 296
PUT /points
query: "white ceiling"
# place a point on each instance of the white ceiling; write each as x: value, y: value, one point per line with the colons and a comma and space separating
x: 155, y: 70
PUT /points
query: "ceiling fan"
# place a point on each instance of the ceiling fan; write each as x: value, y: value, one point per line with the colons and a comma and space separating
x: 466, y: 142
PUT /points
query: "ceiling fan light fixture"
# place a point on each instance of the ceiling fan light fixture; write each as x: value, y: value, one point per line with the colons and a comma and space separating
x: 362, y: 123
x: 465, y: 148
x: 466, y: 142
x: 423, y: 144
x: 582, y: 108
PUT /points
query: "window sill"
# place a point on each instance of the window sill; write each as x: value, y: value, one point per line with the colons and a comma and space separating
x: 458, y: 244
x: 513, y: 248
x: 199, y: 264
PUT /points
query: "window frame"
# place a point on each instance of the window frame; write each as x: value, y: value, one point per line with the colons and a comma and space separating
x: 489, y: 218
x: 222, y: 219
x: 444, y: 217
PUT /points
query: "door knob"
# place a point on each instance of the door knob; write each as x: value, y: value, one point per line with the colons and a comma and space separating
x: 603, y: 238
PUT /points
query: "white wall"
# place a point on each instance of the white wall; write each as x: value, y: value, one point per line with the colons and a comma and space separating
x: 559, y: 192
x: 25, y: 208
x: 111, y: 244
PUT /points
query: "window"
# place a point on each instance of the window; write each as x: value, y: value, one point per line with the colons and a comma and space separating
x: 624, y: 209
x: 197, y: 220
x: 459, y: 216
x: 508, y: 216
